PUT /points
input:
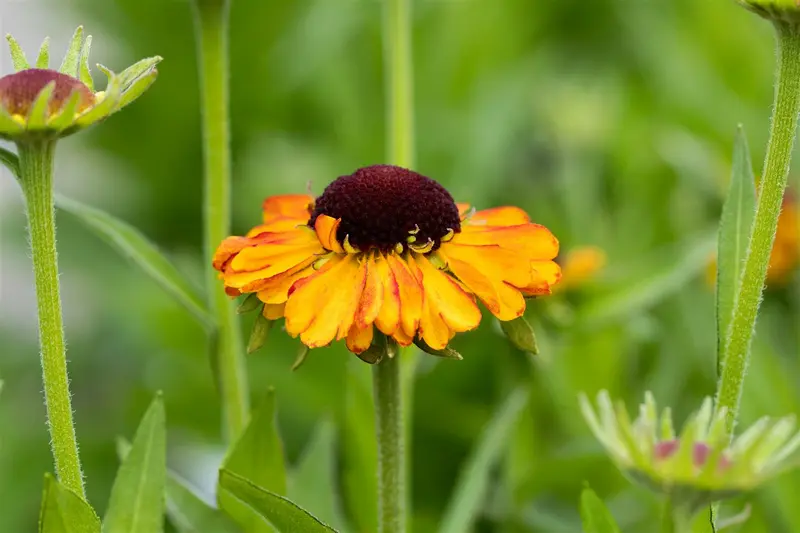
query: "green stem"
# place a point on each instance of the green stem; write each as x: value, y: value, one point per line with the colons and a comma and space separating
x: 773, y: 183
x: 36, y: 178
x: 387, y: 389
x: 211, y: 23
x: 676, y: 519
x: 392, y: 378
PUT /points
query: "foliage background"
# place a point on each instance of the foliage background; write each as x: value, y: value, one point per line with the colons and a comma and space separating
x: 610, y: 121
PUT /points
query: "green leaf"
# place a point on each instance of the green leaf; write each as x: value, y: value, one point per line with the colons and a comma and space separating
x: 10, y: 160
x: 137, y: 70
x: 136, y: 504
x: 360, y: 454
x: 249, y: 304
x: 70, y: 64
x: 473, y: 482
x: 190, y: 514
x: 594, y: 514
x: 258, y: 455
x: 85, y: 74
x: 286, y: 516
x: 17, y: 55
x: 665, y: 273
x: 43, y: 59
x: 313, y: 483
x: 132, y: 244
x: 137, y: 88
x: 63, y: 511
x: 738, y: 213
x: 521, y: 334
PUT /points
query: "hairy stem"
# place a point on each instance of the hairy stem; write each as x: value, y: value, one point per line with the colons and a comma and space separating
x: 211, y: 22
x: 387, y: 389
x: 36, y: 178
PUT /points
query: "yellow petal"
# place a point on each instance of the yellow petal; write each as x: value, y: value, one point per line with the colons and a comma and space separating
x: 410, y: 293
x: 372, y: 297
x: 359, y: 339
x: 273, y: 311
x: 445, y: 297
x: 401, y: 337
x: 500, y: 216
x: 326, y: 228
x: 287, y: 206
x: 273, y: 266
x: 388, y: 319
x: 531, y: 240
x: 492, y: 261
x: 275, y: 290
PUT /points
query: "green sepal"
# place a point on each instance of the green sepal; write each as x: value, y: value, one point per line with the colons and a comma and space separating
x: 137, y: 88
x: 521, y: 334
x: 109, y: 103
x: 84, y: 73
x: 63, y: 511
x: 302, y: 354
x: 17, y: 55
x: 447, y: 352
x: 43, y: 58
x: 250, y: 303
x: 66, y: 116
x: 376, y: 351
x: 137, y: 70
x: 69, y: 65
x: 259, y: 334
x: 38, y: 114
x: 8, y: 126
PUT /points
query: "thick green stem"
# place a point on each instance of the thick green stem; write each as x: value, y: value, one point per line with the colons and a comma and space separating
x: 387, y: 390
x: 773, y: 183
x: 211, y: 22
x: 393, y: 382
x: 676, y: 519
x: 36, y: 178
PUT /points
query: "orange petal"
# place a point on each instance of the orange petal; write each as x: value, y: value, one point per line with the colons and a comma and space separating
x: 445, y: 297
x: 500, y: 216
x: 401, y: 337
x: 492, y: 261
x: 323, y: 306
x: 531, y: 240
x: 275, y: 290
x: 388, y: 318
x: 410, y: 293
x: 273, y: 311
x: 547, y: 271
x: 326, y: 227
x: 276, y: 226
x: 275, y: 265
x: 359, y: 339
x: 228, y: 248
x: 371, y: 297
x: 287, y: 206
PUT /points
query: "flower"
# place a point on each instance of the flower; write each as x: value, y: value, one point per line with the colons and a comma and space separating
x: 580, y: 265
x: 41, y: 103
x: 387, y: 249
x: 785, y: 256
x: 699, y: 465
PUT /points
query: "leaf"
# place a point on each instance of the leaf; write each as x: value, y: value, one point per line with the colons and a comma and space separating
x: 17, y: 55
x: 129, y: 242
x: 63, y: 511
x: 190, y: 514
x: 735, y: 224
x: 360, y: 454
x: 313, y: 483
x: 258, y: 455
x: 521, y: 334
x: 70, y: 64
x: 669, y: 272
x: 10, y: 160
x: 286, y: 516
x: 594, y: 514
x: 136, y: 504
x: 473, y: 482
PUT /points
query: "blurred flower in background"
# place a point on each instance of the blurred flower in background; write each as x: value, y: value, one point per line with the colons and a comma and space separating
x: 580, y: 266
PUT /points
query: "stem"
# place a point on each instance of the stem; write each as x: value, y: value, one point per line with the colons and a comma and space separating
x: 676, y: 518
x: 36, y: 178
x: 392, y: 382
x: 773, y: 183
x: 211, y: 23
x: 387, y: 389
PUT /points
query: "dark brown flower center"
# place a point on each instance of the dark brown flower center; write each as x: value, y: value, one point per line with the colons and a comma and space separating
x: 383, y: 205
x: 18, y: 91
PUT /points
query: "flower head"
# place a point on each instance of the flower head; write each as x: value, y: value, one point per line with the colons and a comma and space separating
x: 386, y: 251
x: 699, y: 465
x: 37, y: 103
x: 580, y: 266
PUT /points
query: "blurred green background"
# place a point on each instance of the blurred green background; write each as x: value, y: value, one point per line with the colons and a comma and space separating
x: 610, y: 121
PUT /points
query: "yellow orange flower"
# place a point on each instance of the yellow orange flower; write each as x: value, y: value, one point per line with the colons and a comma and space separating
x: 580, y: 265
x: 386, y: 248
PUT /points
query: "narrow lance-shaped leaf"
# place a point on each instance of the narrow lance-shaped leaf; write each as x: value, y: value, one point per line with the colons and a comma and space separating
x: 17, y: 55
x: 132, y: 244
x: 190, y: 514
x: 734, y: 231
x: 473, y: 482
x: 258, y: 455
x: 63, y: 511
x: 136, y: 504
x: 286, y: 516
x: 594, y: 515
